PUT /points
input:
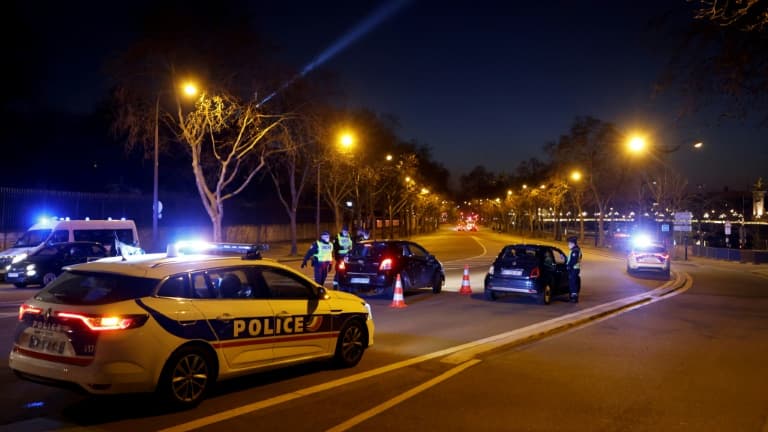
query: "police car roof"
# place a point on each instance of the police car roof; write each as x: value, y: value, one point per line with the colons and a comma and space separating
x: 160, y: 265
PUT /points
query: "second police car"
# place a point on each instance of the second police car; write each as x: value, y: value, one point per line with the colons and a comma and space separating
x: 205, y: 317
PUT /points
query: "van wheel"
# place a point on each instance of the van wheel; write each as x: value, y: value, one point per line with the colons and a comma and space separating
x: 186, y: 378
x: 48, y: 278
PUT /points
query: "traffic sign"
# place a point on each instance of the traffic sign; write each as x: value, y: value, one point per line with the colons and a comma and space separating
x: 683, y: 221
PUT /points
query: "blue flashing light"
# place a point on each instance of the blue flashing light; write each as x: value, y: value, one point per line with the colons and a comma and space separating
x: 641, y: 240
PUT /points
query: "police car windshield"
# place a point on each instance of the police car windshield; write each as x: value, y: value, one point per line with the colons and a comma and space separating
x: 32, y: 238
x: 85, y: 288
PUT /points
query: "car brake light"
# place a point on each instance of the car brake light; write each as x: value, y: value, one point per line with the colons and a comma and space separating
x: 535, y: 273
x: 386, y: 264
x: 342, y: 266
x: 25, y: 308
x: 102, y: 323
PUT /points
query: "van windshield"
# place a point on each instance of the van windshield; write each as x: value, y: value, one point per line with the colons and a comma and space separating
x: 33, y: 238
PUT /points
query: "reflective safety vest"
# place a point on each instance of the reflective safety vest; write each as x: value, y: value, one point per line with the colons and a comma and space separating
x: 575, y: 257
x: 324, y: 251
x: 345, y: 244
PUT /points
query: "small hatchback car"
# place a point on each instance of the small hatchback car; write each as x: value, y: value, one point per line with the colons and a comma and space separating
x: 372, y: 267
x: 43, y: 266
x: 530, y: 269
x: 205, y: 317
x: 648, y: 256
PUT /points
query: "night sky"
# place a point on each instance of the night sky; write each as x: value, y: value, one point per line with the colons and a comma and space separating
x: 480, y: 82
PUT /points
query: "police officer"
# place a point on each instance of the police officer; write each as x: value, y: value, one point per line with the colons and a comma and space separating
x: 574, y: 268
x: 342, y: 244
x: 321, y: 253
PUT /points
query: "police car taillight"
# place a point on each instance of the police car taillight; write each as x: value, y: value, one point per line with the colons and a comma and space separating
x: 386, y: 264
x: 106, y: 322
x: 25, y: 309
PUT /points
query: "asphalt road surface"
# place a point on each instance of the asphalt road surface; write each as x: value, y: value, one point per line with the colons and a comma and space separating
x: 689, y: 357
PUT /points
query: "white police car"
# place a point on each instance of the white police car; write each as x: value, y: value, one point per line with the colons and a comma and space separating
x: 174, y: 324
x: 647, y: 255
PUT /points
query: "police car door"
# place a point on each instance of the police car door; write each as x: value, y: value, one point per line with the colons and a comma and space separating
x: 304, y: 325
x: 242, y: 324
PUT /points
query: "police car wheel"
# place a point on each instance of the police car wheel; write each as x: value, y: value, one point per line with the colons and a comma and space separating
x: 186, y: 378
x: 545, y: 297
x: 350, y: 345
x: 437, y: 283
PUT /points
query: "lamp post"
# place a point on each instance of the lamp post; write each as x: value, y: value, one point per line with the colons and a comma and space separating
x: 346, y: 140
x: 189, y: 89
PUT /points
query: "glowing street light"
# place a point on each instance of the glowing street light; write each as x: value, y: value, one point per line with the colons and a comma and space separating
x: 576, y: 175
x: 636, y: 144
x: 346, y: 141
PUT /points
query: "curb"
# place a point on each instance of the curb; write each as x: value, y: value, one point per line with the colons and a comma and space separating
x: 540, y: 330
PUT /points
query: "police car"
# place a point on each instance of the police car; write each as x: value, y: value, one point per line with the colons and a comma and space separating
x: 175, y: 323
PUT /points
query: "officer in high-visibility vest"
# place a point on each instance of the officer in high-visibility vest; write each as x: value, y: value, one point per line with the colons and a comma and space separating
x: 574, y: 269
x: 342, y: 245
x: 321, y: 254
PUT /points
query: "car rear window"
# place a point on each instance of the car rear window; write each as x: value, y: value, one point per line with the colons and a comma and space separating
x: 519, y: 251
x: 87, y: 288
x: 651, y: 249
x: 368, y: 250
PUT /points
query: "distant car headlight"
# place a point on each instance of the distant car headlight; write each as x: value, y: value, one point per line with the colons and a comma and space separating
x: 19, y: 258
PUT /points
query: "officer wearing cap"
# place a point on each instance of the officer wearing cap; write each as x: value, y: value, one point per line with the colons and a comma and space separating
x: 321, y: 253
x: 342, y: 244
x: 574, y: 269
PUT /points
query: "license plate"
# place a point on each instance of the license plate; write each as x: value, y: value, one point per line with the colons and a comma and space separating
x: 53, y: 344
x: 13, y: 275
x: 358, y: 280
x: 512, y: 272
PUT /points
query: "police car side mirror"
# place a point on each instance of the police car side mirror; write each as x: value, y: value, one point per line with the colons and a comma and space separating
x: 322, y: 293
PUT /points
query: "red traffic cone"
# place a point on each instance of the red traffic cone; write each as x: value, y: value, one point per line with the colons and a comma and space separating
x: 465, y: 288
x: 397, y: 300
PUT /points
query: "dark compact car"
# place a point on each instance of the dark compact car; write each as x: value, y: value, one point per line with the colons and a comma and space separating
x: 43, y: 266
x: 372, y: 267
x: 529, y: 269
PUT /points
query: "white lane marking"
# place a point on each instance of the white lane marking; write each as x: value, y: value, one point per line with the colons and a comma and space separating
x: 8, y: 314
x: 495, y: 341
x: 356, y: 420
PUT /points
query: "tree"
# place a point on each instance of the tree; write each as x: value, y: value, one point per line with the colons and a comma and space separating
x: 720, y: 58
x: 228, y: 141
x: 596, y: 146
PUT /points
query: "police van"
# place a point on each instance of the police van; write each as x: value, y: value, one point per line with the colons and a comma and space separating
x: 112, y: 233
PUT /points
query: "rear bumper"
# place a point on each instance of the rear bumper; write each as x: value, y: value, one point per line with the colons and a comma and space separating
x: 518, y: 286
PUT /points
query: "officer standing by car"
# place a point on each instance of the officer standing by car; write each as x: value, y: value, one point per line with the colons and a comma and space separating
x: 342, y: 245
x: 574, y: 269
x: 321, y: 254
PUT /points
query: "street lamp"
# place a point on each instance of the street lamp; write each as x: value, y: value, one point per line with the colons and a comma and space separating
x: 190, y: 90
x: 345, y: 141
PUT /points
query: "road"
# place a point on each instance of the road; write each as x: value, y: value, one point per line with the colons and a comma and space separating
x: 692, y: 359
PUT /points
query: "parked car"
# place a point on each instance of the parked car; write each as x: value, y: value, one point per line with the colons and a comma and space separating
x: 173, y: 325
x: 530, y: 269
x: 648, y: 256
x: 44, y: 265
x: 372, y: 267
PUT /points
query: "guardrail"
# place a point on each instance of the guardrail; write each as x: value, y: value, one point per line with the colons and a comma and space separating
x: 729, y: 254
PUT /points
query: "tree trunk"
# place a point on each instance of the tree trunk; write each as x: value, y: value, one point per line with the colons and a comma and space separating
x: 294, y: 245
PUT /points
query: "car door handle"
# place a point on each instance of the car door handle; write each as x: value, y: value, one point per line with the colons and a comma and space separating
x: 283, y: 314
x: 188, y: 323
x: 224, y: 317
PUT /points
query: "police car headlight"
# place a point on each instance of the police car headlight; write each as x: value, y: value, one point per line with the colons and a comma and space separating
x: 19, y: 258
x: 370, y: 311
